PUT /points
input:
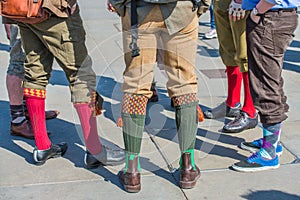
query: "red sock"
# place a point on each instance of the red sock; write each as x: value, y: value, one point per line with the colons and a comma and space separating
x: 248, y: 103
x: 234, y: 77
x: 35, y: 101
x: 89, y: 128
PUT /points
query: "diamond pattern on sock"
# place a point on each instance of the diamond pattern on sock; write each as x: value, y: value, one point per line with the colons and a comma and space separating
x: 34, y: 93
x: 134, y: 104
x: 184, y: 99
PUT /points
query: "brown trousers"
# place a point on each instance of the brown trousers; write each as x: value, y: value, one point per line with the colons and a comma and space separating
x: 267, y: 43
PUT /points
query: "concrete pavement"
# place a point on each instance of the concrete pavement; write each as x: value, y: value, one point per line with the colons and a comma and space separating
x: 66, y: 178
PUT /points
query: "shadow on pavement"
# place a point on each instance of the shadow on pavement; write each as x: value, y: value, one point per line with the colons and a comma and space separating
x: 270, y: 195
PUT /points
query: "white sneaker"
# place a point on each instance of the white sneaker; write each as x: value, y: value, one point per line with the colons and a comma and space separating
x: 211, y: 34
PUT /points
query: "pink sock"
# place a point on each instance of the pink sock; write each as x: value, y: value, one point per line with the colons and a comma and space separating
x: 89, y: 128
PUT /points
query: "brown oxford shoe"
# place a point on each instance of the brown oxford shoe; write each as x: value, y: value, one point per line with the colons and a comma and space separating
x: 131, y: 179
x: 23, y: 130
x: 188, y: 174
x: 51, y: 114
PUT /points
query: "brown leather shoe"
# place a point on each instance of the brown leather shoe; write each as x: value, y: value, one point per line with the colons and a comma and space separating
x: 23, y: 130
x: 51, y: 114
x: 188, y: 175
x: 131, y: 180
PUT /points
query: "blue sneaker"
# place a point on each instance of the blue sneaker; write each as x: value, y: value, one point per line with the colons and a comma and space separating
x: 255, y: 145
x: 256, y: 163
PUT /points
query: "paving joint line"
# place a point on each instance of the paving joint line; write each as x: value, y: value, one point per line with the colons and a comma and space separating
x: 171, y: 169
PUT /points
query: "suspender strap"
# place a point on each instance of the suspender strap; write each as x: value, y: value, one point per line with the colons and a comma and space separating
x: 134, y: 30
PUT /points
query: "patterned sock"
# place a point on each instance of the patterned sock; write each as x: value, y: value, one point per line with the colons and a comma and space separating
x: 25, y: 106
x: 192, y: 152
x: 35, y: 101
x: 271, y: 138
x: 133, y: 117
x: 186, y: 116
x: 248, y: 103
x: 89, y: 127
x: 234, y: 79
x: 129, y: 158
x: 17, y: 114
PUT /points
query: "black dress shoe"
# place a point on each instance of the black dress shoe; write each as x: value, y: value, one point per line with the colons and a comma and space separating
x: 240, y: 123
x: 56, y: 150
x: 107, y: 156
x: 223, y: 110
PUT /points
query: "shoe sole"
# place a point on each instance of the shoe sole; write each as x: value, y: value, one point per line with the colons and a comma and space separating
x: 238, y: 130
x: 258, y: 169
x: 254, y: 150
x: 132, y: 189
x: 102, y: 164
x: 210, y: 37
x: 114, y: 163
x: 13, y: 133
x: 189, y: 184
x: 38, y: 163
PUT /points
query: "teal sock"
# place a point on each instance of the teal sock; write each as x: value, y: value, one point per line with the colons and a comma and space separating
x: 130, y: 157
x: 192, y: 152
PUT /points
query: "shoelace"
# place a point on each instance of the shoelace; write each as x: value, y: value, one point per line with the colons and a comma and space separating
x: 252, y: 158
x: 239, y: 117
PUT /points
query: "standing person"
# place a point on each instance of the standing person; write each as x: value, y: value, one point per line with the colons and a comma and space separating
x: 176, y: 25
x: 20, y: 126
x: 270, y: 29
x: 62, y: 36
x: 212, y: 33
x: 231, y: 30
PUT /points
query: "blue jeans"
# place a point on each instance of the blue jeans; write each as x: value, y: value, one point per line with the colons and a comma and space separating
x: 212, y: 18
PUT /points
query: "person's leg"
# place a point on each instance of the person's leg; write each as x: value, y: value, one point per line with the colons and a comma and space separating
x: 212, y: 32
x: 265, y: 53
x: 227, y: 51
x: 180, y: 54
x: 212, y: 18
x: 15, y: 75
x: 38, y: 67
x: 138, y: 76
x: 71, y: 54
x: 247, y: 118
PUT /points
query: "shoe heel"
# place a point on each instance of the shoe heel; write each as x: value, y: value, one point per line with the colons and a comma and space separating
x: 132, y: 189
x: 188, y: 185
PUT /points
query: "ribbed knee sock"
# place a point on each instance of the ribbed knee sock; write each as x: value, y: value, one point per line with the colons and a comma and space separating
x: 89, y: 127
x: 35, y: 101
x: 186, y: 116
x: 133, y: 117
x: 248, y: 106
x: 234, y: 79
